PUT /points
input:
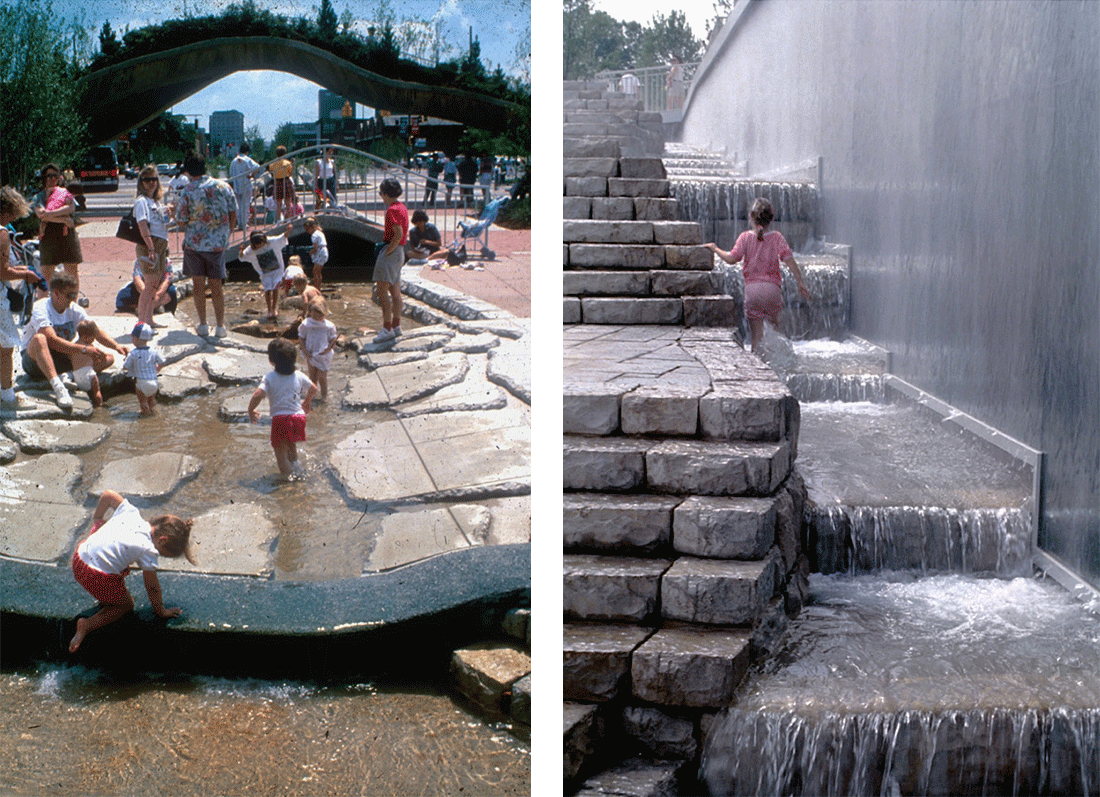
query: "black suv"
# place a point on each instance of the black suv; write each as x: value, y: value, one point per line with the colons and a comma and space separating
x: 98, y: 170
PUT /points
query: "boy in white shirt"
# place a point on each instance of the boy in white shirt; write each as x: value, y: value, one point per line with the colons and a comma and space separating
x: 266, y: 256
x: 144, y: 363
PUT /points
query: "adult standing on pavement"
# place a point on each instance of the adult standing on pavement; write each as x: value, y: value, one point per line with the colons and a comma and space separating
x: 282, y: 171
x: 467, y: 176
x: 241, y: 170
x: 49, y: 338
x: 207, y: 210
x: 486, y: 163
x: 390, y: 259
x: 56, y: 209
x: 12, y: 206
x: 435, y: 168
x: 152, y: 218
x: 450, y: 175
x: 324, y: 178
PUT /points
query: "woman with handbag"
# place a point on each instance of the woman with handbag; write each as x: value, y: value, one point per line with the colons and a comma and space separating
x: 58, y: 242
x: 152, y: 218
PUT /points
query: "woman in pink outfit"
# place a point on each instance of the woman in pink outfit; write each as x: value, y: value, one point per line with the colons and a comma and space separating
x: 762, y: 251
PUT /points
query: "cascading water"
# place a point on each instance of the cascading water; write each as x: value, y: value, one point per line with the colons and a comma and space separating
x: 932, y: 686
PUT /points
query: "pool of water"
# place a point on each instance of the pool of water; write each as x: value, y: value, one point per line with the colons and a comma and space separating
x: 69, y: 730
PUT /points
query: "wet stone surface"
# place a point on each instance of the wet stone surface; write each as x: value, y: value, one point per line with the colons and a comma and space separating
x: 440, y: 417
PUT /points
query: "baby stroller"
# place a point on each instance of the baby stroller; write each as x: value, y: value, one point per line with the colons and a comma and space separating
x: 478, y: 231
x: 21, y: 293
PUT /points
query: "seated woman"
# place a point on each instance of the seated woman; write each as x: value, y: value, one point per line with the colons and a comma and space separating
x: 424, y: 239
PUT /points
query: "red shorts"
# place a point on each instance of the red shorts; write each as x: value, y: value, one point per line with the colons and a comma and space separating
x: 107, y: 588
x: 288, y: 429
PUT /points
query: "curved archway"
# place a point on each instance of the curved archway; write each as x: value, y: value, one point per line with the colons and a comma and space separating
x: 126, y: 95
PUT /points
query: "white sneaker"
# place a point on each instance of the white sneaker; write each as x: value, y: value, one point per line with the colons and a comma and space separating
x: 384, y: 336
x: 396, y: 332
x: 202, y: 330
x: 219, y: 332
x: 64, y: 400
x: 10, y: 399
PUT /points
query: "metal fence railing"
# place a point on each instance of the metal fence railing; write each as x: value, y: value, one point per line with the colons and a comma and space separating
x: 358, y: 175
x: 661, y: 88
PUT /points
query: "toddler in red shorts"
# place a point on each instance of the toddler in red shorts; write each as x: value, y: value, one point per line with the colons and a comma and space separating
x: 290, y: 396
x: 102, y: 561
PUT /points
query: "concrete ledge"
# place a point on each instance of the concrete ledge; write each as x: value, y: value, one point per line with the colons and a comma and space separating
x: 265, y: 626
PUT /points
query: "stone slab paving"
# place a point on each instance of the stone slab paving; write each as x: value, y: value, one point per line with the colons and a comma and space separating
x: 399, y: 384
x: 148, y: 476
x: 437, y: 456
x: 408, y: 537
x: 234, y: 540
x: 37, y: 494
x: 42, y: 436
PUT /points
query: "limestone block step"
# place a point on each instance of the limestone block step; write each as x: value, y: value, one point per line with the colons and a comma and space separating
x: 582, y: 732
x: 618, y: 186
x: 571, y: 310
x: 596, y: 659
x: 590, y: 167
x: 643, y: 168
x: 716, y: 591
x: 613, y: 208
x: 709, y: 311
x: 685, y: 283
x: 689, y: 666
x: 591, y: 148
x: 629, y: 524
x: 660, y: 410
x: 590, y: 409
x: 614, y: 256
x: 694, y: 467
x: 586, y: 186
x: 678, y: 232
x: 603, y: 464
x: 656, y: 208
x: 724, y: 528
x: 750, y: 410
x: 612, y: 232
x: 608, y: 283
x: 576, y: 207
x: 661, y: 734
x: 611, y: 588
x: 652, y: 310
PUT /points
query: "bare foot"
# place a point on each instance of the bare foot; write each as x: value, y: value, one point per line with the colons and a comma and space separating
x: 78, y: 637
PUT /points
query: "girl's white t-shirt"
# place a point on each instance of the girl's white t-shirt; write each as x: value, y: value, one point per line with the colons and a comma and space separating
x: 124, y: 540
x: 154, y: 213
x: 285, y: 392
x: 318, y: 240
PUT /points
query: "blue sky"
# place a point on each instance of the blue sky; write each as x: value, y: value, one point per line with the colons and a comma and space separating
x: 268, y: 99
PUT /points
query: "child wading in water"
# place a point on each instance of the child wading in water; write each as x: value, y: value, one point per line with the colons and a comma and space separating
x: 84, y: 374
x: 317, y: 337
x: 290, y: 396
x: 266, y: 256
x: 144, y: 363
x: 102, y: 561
x: 762, y: 251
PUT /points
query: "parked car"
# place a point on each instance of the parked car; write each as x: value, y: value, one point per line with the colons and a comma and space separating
x: 166, y: 169
x: 98, y: 170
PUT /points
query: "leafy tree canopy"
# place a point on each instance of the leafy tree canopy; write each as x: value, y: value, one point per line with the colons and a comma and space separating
x: 595, y: 41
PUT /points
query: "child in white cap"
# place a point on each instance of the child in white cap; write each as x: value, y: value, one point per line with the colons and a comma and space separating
x: 143, y: 363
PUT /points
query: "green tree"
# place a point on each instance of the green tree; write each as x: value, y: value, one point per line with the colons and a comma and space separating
x: 668, y: 37
x: 593, y: 41
x: 163, y: 139
x: 326, y: 20
x: 38, y: 105
x: 255, y: 140
x: 108, y: 44
x: 284, y: 134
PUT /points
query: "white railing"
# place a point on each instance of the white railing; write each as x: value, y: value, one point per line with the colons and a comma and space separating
x: 661, y: 88
x: 358, y: 175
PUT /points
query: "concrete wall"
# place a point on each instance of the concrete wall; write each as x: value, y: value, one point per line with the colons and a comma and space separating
x: 960, y: 149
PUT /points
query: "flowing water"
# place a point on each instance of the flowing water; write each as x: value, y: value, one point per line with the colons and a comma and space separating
x: 67, y: 730
x: 895, y: 684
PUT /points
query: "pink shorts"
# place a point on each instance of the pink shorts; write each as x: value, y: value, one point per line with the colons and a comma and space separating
x: 107, y: 588
x: 288, y: 429
x: 763, y: 300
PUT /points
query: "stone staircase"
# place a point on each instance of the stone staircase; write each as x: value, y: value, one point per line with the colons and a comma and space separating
x: 681, y: 513
x: 626, y: 257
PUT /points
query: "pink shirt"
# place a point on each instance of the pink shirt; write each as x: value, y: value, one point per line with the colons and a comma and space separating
x: 762, y: 258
